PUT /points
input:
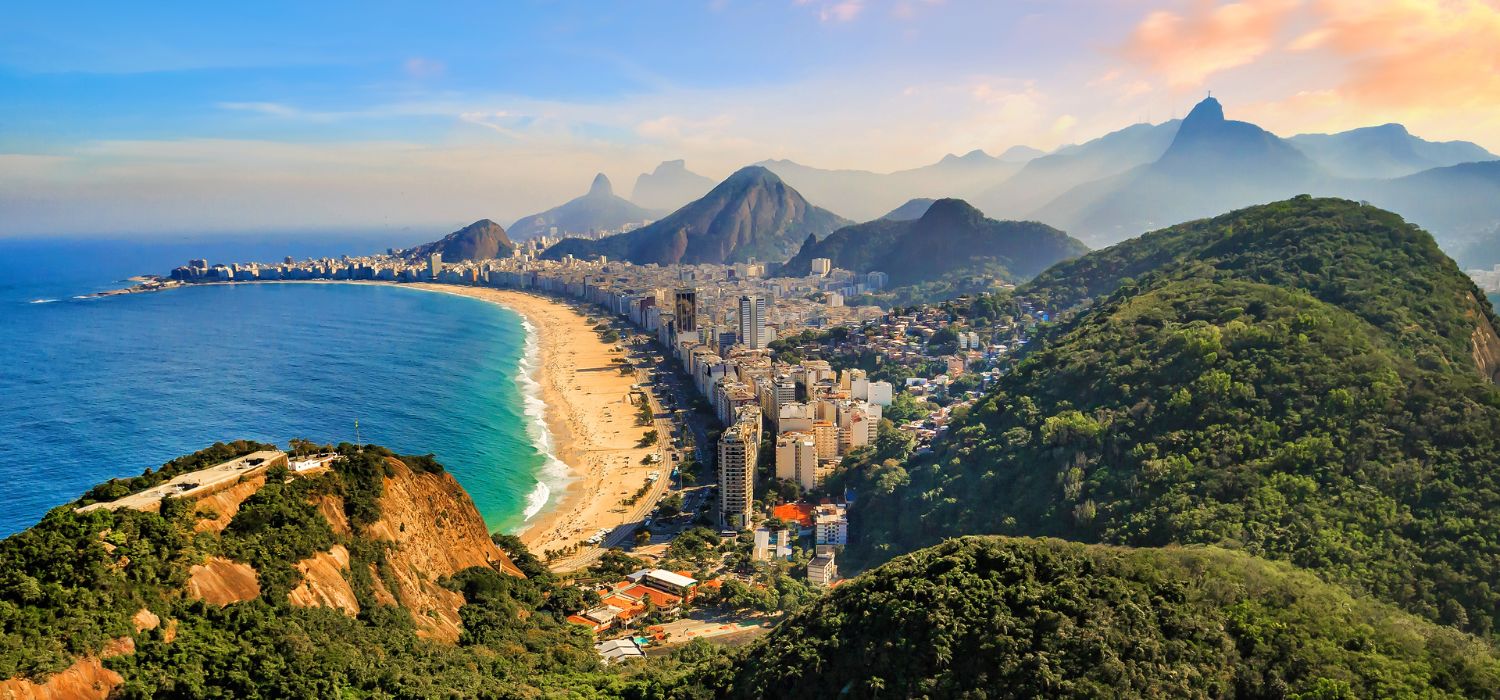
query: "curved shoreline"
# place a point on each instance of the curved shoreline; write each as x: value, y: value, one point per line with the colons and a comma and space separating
x: 588, y: 419
x: 588, y: 424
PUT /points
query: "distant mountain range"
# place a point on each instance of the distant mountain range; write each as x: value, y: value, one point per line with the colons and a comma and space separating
x: 752, y: 214
x: 669, y: 186
x: 913, y: 209
x: 1211, y: 164
x: 864, y: 195
x: 598, y: 210
x: 481, y: 240
x: 951, y: 238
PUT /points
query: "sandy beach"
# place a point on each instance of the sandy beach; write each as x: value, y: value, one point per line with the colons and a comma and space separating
x: 589, y: 415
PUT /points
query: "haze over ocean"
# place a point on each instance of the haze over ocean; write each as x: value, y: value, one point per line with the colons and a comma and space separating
x: 102, y: 388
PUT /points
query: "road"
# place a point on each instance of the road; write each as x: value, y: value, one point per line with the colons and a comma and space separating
x: 662, y: 420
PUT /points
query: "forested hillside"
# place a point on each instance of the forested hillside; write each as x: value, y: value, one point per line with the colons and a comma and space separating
x: 1297, y: 380
x: 989, y: 617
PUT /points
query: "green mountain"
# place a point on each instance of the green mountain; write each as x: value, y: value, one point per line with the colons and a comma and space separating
x: 988, y: 617
x: 374, y: 577
x: 481, y: 240
x: 950, y: 239
x: 752, y: 214
x: 597, y: 210
x: 1307, y: 381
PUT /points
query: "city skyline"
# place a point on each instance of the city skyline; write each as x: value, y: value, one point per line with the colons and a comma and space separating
x: 161, y: 120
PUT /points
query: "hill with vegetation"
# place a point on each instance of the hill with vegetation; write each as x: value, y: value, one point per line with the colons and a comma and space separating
x: 991, y: 617
x: 599, y: 209
x: 950, y: 239
x: 374, y: 578
x: 1307, y: 381
x: 752, y: 214
x: 481, y: 240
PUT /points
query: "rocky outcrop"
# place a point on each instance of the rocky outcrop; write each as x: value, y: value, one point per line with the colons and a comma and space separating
x: 217, y: 509
x: 222, y: 581
x: 1485, y: 343
x: 437, y: 532
x: 325, y: 582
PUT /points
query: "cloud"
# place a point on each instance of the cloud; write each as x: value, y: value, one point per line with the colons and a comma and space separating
x: 836, y: 11
x: 270, y: 109
x: 1441, y: 54
x: 1185, y: 48
x: 423, y: 68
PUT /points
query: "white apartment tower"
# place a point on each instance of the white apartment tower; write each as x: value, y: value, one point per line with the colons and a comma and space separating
x: 753, y: 322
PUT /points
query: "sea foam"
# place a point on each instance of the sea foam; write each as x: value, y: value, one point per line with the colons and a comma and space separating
x: 553, y: 473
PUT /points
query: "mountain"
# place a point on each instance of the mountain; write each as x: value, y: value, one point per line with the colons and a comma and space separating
x: 597, y: 210
x: 950, y: 239
x: 481, y: 240
x: 864, y: 195
x: 1310, y: 381
x: 913, y: 209
x: 1383, y: 152
x: 1021, y: 154
x: 752, y: 214
x: 1461, y: 201
x: 1045, y: 178
x: 989, y: 617
x: 669, y: 186
x: 1214, y: 164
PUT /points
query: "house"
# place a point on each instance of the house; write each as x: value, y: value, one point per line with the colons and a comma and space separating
x: 675, y: 583
x: 831, y: 524
x: 821, y: 570
x: 617, y: 650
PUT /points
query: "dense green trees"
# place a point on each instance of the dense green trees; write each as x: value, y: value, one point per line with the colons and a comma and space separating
x: 1243, y: 390
x: 987, y: 617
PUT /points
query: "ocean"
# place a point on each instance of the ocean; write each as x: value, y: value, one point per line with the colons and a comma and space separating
x: 92, y: 389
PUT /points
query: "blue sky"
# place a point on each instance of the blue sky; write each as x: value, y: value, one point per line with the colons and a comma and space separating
x: 215, y: 116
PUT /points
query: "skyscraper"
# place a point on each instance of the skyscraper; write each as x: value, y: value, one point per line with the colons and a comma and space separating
x: 739, y: 451
x: 686, y: 307
x: 753, y: 322
x: 435, y: 265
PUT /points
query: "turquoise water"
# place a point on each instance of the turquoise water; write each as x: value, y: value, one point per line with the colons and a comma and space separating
x: 100, y: 388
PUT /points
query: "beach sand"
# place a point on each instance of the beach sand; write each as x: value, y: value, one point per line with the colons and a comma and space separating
x: 589, y: 415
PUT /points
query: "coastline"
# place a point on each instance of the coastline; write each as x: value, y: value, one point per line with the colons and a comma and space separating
x: 590, y: 423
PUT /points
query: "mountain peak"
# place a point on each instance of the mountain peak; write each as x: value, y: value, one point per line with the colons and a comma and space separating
x: 1209, y: 110
x: 752, y: 175
x: 951, y: 212
x: 975, y: 156
x: 601, y: 187
x: 670, y: 166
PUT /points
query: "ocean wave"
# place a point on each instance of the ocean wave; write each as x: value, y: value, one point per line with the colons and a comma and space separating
x: 42, y: 301
x: 553, y: 475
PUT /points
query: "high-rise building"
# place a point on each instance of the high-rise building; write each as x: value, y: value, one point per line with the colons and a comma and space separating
x: 739, y: 451
x: 821, y: 266
x: 797, y: 459
x: 753, y: 322
x: 686, y: 308
x: 435, y: 265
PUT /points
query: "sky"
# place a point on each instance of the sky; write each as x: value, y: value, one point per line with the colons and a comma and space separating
x: 141, y: 118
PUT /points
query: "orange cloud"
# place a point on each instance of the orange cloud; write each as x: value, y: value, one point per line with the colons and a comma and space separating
x: 1438, y: 54
x: 1186, y: 48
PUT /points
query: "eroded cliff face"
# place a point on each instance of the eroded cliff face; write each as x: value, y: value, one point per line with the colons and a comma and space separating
x: 1484, y: 342
x: 436, y: 532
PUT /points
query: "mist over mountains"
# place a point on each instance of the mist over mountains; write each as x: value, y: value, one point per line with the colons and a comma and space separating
x: 597, y: 210
x: 751, y: 215
x: 1102, y: 191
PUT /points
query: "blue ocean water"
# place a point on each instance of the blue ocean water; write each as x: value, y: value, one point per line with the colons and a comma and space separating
x: 97, y: 388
